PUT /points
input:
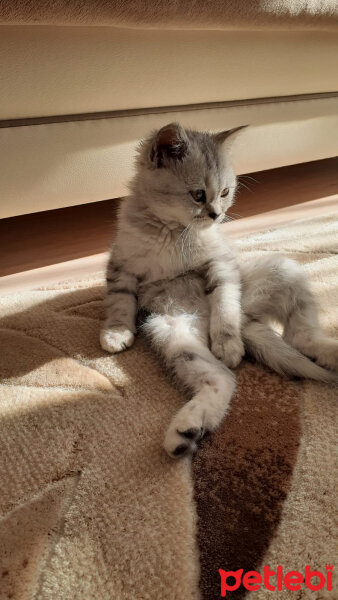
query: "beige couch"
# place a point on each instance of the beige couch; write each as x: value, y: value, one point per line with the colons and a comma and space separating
x: 81, y: 82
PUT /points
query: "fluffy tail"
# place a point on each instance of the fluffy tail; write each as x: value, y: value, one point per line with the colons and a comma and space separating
x: 269, y: 348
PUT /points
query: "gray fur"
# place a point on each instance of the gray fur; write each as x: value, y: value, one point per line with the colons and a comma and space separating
x: 172, y: 260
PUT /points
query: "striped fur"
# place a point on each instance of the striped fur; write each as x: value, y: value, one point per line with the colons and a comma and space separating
x: 172, y: 260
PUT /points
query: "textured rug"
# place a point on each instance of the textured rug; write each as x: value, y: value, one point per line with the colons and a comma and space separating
x: 91, y: 506
x: 170, y: 14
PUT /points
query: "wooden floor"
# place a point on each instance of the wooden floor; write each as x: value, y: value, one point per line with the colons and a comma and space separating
x: 40, y: 242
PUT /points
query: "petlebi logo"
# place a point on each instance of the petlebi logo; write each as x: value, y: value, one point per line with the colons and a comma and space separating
x: 273, y: 580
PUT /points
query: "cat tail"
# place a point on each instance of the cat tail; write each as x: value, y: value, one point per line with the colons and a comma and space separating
x: 269, y: 348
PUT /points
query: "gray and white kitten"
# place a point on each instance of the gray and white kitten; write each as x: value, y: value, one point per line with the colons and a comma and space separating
x: 172, y: 259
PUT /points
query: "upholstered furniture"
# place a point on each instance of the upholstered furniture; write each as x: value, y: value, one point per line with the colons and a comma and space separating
x: 80, y: 83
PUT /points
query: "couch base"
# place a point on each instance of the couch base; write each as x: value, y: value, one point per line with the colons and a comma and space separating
x: 63, y: 70
x: 52, y: 165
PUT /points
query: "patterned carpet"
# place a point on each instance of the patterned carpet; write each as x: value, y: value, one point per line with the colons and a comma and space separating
x: 91, y: 506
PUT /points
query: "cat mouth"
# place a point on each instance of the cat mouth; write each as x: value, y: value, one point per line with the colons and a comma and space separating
x: 204, y: 220
x: 200, y: 219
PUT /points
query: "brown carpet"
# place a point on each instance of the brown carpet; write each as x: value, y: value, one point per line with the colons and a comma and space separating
x: 90, y: 505
x: 171, y: 14
x: 265, y: 481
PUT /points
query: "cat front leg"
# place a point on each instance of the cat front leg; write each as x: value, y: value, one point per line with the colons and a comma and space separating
x: 225, y: 316
x: 118, y: 332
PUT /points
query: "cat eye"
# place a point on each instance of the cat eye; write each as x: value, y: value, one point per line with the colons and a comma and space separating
x: 198, y: 195
x: 225, y: 192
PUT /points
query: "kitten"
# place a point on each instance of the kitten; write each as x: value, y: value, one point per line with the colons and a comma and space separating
x: 171, y: 258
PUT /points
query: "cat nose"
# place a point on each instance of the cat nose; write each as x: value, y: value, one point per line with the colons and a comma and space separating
x: 213, y: 215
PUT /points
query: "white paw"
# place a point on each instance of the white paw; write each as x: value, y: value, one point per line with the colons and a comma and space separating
x: 116, y: 340
x: 229, y: 349
x: 184, y: 431
x: 327, y: 355
x: 323, y: 349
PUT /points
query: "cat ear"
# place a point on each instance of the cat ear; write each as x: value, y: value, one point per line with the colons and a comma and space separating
x: 224, y: 135
x: 170, y: 142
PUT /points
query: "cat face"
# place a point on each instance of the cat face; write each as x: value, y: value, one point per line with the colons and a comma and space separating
x: 185, y: 176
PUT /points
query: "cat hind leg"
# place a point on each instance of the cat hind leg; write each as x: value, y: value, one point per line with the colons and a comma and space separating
x: 275, y: 288
x: 183, y: 345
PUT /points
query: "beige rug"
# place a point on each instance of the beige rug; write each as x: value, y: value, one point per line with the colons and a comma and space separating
x: 170, y: 14
x: 92, y: 508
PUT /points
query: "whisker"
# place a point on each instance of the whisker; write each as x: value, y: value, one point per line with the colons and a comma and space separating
x: 185, y: 238
x: 241, y: 184
x: 248, y: 177
x: 236, y: 215
x: 182, y: 232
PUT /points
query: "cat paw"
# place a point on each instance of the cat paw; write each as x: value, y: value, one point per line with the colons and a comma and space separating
x: 323, y: 349
x: 328, y: 355
x: 183, y: 433
x: 116, y: 340
x: 228, y: 349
